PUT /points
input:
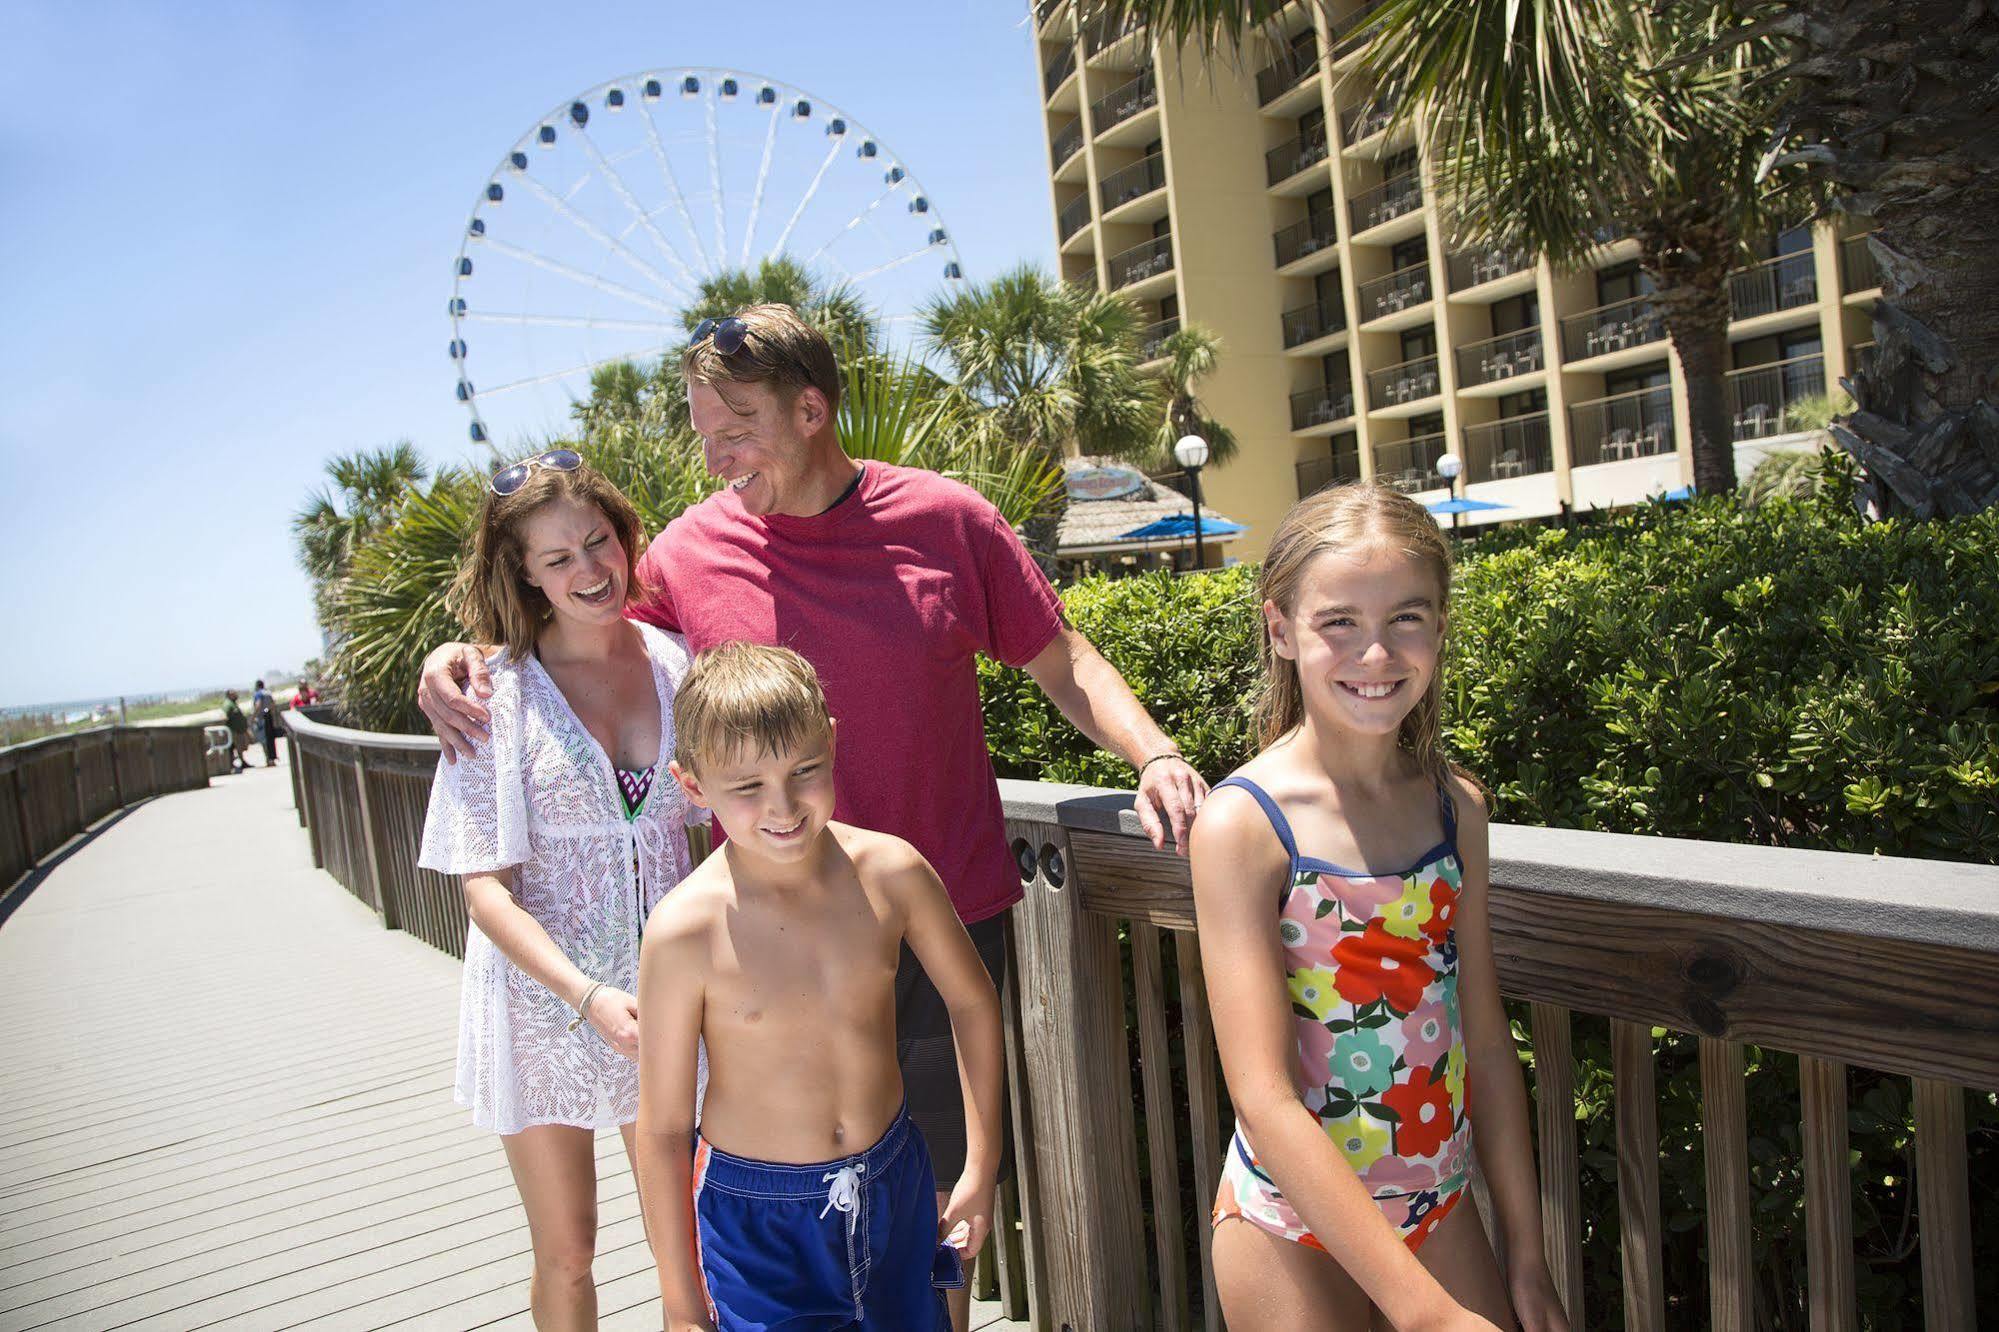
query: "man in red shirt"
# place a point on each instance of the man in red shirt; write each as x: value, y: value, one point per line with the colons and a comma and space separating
x: 890, y: 581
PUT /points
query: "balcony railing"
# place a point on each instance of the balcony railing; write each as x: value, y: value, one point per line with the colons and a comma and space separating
x: 1395, y: 293
x: 1338, y: 468
x: 1760, y: 398
x: 1366, y: 120
x: 1410, y: 464
x: 1315, y: 233
x: 1321, y: 406
x: 1287, y: 159
x: 1154, y: 338
x: 1068, y: 141
x: 1387, y: 201
x: 1285, y: 73
x: 1353, y: 31
x: 1074, y: 215
x: 1058, y: 70
x: 1134, y: 182
x: 1411, y: 381
x: 1858, y: 270
x: 1502, y: 450
x: 1614, y: 327
x: 1620, y: 427
x: 1141, y: 262
x: 1500, y: 358
x: 1471, y: 268
x: 1316, y: 320
x: 1045, y: 10
x: 1100, y: 34
x: 1783, y: 283
x: 1126, y: 102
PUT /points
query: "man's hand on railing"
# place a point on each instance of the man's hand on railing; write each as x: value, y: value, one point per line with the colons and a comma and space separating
x: 455, y: 711
x: 1170, y: 793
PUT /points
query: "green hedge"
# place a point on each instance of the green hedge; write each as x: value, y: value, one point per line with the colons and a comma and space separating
x: 1785, y: 675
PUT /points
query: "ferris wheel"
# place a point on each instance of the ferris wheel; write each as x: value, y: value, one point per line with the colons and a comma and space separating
x: 599, y: 226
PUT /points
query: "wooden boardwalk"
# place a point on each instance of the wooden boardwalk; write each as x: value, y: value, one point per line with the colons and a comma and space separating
x: 225, y: 1100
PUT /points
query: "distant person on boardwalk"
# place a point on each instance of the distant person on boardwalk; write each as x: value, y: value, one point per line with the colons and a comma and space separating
x: 1361, y: 1030
x: 264, y: 723
x: 239, y: 730
x: 880, y: 576
x: 565, y: 831
x: 814, y: 1202
x: 304, y: 696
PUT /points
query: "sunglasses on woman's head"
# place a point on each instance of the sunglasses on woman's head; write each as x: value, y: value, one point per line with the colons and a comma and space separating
x: 728, y: 333
x: 509, y: 479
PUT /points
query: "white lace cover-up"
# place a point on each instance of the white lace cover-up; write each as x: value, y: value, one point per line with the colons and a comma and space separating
x: 541, y: 797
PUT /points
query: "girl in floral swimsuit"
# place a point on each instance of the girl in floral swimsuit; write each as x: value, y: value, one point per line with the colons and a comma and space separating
x: 1365, y: 1034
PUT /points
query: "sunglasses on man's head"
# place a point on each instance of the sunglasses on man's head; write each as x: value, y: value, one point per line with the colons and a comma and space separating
x: 509, y: 479
x: 728, y: 333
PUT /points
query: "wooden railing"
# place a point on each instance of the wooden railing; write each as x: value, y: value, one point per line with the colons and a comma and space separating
x: 1833, y: 959
x: 54, y: 788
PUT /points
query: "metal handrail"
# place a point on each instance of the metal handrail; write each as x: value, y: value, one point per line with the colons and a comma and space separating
x: 1760, y: 397
x: 1471, y: 269
x: 1299, y: 239
x: 1148, y: 259
x: 1125, y: 101
x: 1395, y: 293
x: 1410, y: 381
x: 1638, y: 424
x: 1285, y: 73
x: 1141, y: 178
x: 1349, y: 34
x: 1058, y: 70
x: 1614, y: 327
x: 1782, y: 283
x: 1410, y: 464
x: 1296, y: 154
x: 1510, y: 447
x: 1395, y: 197
x: 1073, y: 216
x: 1302, y: 325
x: 1366, y: 120
x: 1155, y: 335
x: 1319, y: 406
x: 1068, y: 141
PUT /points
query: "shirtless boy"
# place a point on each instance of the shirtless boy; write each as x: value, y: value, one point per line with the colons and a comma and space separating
x: 806, y: 1199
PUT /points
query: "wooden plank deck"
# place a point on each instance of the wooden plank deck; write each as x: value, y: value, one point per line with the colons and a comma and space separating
x: 225, y: 1101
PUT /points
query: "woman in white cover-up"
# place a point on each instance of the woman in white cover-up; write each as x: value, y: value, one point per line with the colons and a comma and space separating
x: 565, y: 831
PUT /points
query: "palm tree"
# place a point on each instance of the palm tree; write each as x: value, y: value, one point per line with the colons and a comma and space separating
x: 652, y: 398
x: 1191, y: 353
x: 362, y: 495
x: 1888, y: 104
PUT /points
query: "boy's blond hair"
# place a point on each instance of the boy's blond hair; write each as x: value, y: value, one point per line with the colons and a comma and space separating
x: 742, y: 694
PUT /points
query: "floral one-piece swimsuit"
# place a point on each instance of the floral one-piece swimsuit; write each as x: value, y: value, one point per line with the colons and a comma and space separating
x: 1371, y: 963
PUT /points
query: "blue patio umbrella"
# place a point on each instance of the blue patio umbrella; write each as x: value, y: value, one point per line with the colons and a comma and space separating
x: 1683, y: 493
x: 1456, y: 505
x: 1181, y: 525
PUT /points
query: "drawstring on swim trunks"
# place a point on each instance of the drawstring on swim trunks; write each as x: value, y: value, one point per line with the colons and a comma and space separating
x: 844, y: 1193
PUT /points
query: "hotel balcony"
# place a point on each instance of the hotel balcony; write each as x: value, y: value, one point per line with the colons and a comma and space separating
x: 1611, y: 330
x: 1141, y: 262
x: 1115, y: 118
x: 1760, y: 397
x: 1058, y: 70
x: 1404, y: 386
x: 1301, y: 240
x: 1132, y: 183
x: 1073, y: 217
x: 1471, y: 269
x: 1363, y: 122
x: 1788, y: 282
x: 1398, y: 197
x: 1152, y: 342
x: 1350, y: 33
x: 1410, y: 465
x: 1068, y: 141
x: 1502, y: 360
x: 1309, y: 323
x: 1512, y: 447
x: 1315, y: 474
x: 1398, y: 300
x: 1324, y: 406
x: 1621, y: 427
x: 1859, y: 272
x: 1294, y: 155
x: 1285, y: 73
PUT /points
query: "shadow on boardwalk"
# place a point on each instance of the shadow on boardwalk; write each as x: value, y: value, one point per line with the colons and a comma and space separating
x: 227, y: 1098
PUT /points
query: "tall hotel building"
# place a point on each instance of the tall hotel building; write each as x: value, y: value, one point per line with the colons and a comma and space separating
x: 1261, y: 196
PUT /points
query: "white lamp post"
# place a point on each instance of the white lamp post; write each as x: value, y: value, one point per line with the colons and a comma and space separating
x: 1191, y: 451
x: 1450, y: 467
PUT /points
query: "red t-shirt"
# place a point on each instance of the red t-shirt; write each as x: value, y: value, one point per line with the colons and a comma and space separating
x: 891, y: 594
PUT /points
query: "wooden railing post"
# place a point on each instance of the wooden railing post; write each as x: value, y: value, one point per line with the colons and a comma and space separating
x: 117, y: 779
x: 76, y: 784
x: 371, y: 847
x: 1828, y: 1196
x: 1635, y: 1090
x: 1731, y: 1268
x: 1079, y: 1087
x: 1555, y: 1127
x: 1943, y: 1201
x: 315, y: 817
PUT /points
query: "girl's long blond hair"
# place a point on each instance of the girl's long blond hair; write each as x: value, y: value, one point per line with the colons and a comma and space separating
x: 1350, y: 518
x: 491, y: 595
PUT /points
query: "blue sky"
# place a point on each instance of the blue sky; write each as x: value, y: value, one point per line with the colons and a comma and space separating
x: 227, y: 232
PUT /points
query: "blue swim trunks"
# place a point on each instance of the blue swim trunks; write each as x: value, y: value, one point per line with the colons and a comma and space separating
x: 813, y: 1248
